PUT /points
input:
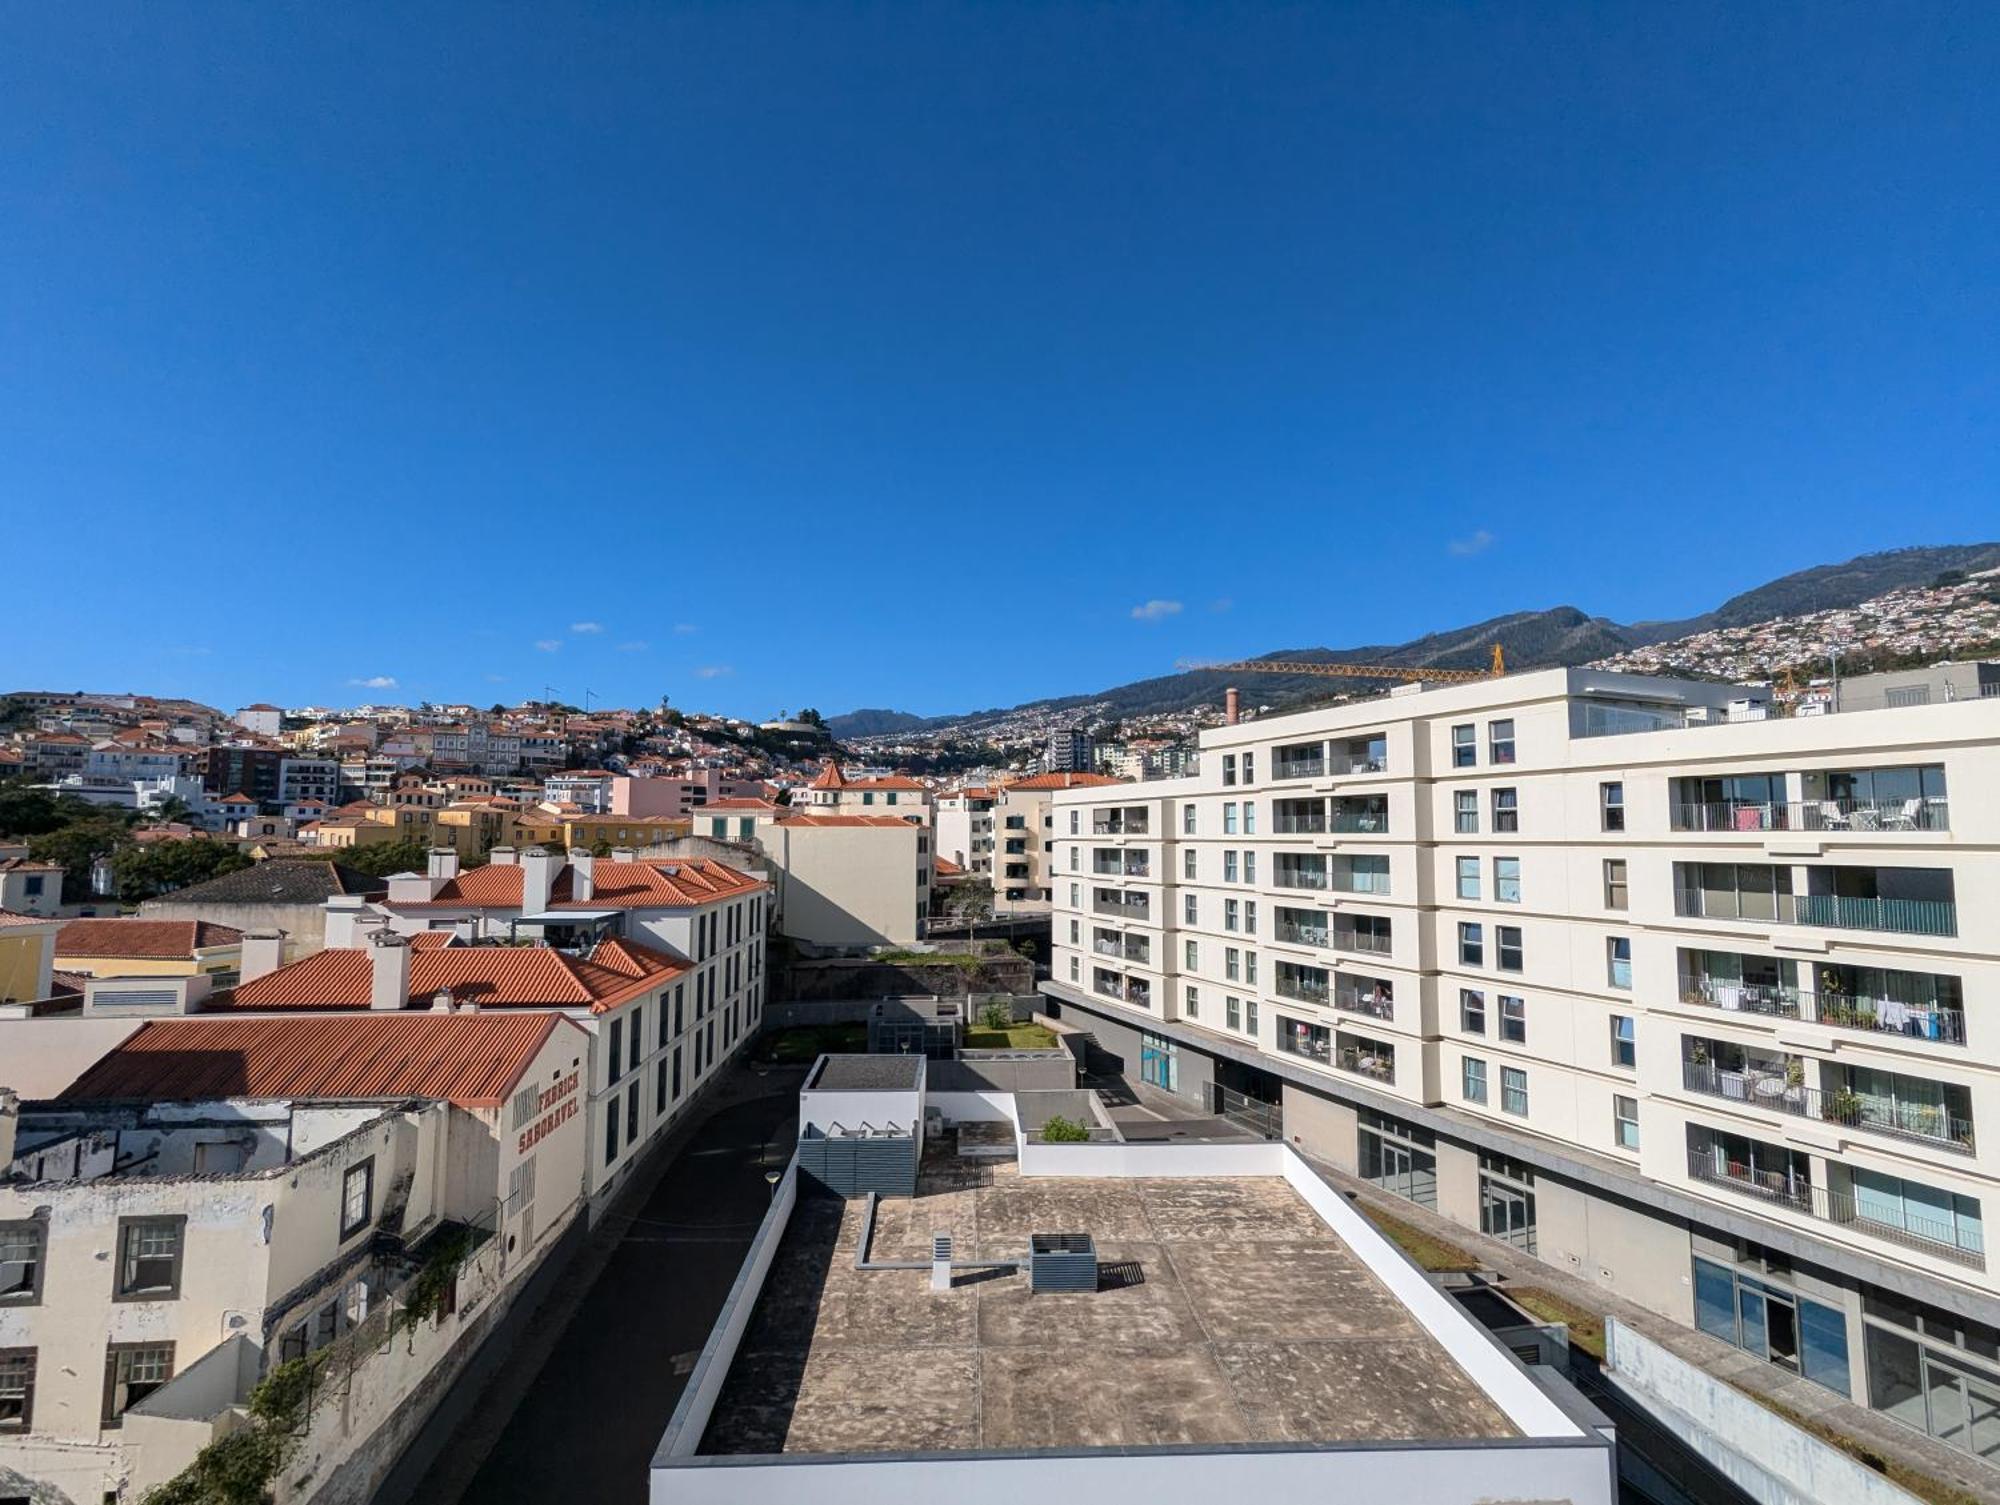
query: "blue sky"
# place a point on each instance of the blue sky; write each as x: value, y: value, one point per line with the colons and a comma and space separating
x: 902, y: 355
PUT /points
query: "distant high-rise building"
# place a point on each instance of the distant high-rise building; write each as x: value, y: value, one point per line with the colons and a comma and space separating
x: 1070, y: 751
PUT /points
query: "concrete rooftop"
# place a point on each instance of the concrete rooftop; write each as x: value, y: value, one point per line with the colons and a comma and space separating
x: 1227, y: 1313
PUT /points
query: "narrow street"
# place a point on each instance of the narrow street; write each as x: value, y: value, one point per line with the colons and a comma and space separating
x: 584, y: 1425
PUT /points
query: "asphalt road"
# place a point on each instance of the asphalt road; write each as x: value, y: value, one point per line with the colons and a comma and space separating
x: 585, y: 1426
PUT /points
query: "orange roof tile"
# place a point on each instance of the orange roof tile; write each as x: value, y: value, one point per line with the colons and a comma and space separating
x: 808, y: 819
x: 660, y: 884
x: 829, y: 777
x: 490, y: 976
x: 1041, y: 781
x: 893, y: 781
x: 160, y: 939
x: 474, y: 1060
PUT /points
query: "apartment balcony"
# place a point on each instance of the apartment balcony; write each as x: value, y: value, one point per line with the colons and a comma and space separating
x: 1368, y: 942
x: 1303, y: 984
x: 1306, y: 1040
x: 1125, y: 907
x: 1912, y: 814
x: 1298, y: 817
x: 1288, y: 764
x: 1294, y: 871
x: 1120, y: 823
x: 1123, y: 865
x: 1299, y: 927
x: 1132, y: 990
x: 1778, y: 1086
x: 1862, y: 912
x: 1868, y: 1012
x: 1371, y: 996
x: 1791, y: 1192
x: 1134, y: 949
x: 1359, y: 818
x: 1902, y: 901
x: 1374, y: 1059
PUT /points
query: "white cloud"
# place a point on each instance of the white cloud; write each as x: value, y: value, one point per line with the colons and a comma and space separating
x: 713, y: 671
x: 376, y: 682
x: 685, y: 629
x: 633, y: 647
x: 548, y: 645
x: 586, y: 627
x: 1473, y: 543
x: 1156, y: 611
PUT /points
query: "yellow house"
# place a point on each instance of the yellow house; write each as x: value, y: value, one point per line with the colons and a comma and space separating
x: 27, y: 956
x: 635, y: 831
x: 148, y: 948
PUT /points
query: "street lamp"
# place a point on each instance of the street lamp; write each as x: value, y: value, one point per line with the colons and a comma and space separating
x: 771, y: 1179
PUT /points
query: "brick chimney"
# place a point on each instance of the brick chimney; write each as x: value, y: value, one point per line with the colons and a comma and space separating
x: 1232, y: 706
x: 389, y: 974
x: 263, y: 952
x: 538, y: 876
x: 582, y: 874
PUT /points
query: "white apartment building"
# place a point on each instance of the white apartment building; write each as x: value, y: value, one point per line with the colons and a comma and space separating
x: 1005, y: 834
x: 1682, y: 1000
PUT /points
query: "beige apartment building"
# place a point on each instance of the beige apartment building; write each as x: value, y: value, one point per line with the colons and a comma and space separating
x: 1005, y: 834
x: 1680, y: 999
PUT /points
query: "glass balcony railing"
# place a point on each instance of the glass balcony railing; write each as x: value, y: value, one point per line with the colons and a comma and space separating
x: 1293, y: 823
x: 1359, y: 822
x: 1366, y: 942
x: 1776, y: 1091
x: 1369, y: 1058
x: 1931, y: 813
x: 1886, y: 1016
x: 1964, y: 1244
x: 1376, y: 1000
x: 1825, y: 911
x: 1303, y: 986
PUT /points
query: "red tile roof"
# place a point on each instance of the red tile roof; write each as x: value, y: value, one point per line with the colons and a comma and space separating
x: 490, y: 976
x: 9, y: 920
x: 809, y: 819
x: 474, y: 1060
x: 829, y: 777
x: 160, y: 939
x: 893, y: 781
x: 736, y: 802
x: 944, y: 867
x: 1043, y: 781
x: 661, y: 884
x: 430, y: 940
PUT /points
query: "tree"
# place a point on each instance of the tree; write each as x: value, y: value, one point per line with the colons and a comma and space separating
x: 812, y: 717
x: 26, y: 811
x: 380, y: 859
x: 76, y: 848
x: 143, y: 870
x: 970, y: 900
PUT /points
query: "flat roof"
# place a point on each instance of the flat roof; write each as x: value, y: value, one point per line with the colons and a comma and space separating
x: 1228, y: 1313
x: 858, y: 1073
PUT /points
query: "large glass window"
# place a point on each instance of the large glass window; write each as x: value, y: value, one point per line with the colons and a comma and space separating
x: 1398, y: 1157
x: 1473, y: 1086
x: 1773, y: 1322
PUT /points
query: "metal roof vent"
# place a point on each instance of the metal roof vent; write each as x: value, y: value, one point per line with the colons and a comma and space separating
x: 1062, y: 1262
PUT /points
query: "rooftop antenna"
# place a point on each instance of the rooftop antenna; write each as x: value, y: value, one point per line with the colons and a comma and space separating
x: 587, y: 693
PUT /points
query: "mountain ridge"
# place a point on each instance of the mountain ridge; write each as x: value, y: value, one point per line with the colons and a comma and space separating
x: 1533, y: 639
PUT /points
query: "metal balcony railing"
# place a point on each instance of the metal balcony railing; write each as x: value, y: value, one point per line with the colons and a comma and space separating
x: 1776, y: 1092
x: 1963, y: 1244
x: 1359, y: 822
x: 1375, y: 1062
x: 1134, y: 908
x: 1376, y: 1003
x: 1298, y: 768
x: 1884, y: 1016
x: 1834, y: 912
x: 1299, y: 825
x: 1361, y: 941
x: 1926, y: 814
x: 1304, y: 988
x: 1294, y: 934
x: 1313, y: 878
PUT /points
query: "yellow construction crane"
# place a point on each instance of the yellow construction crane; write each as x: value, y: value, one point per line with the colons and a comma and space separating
x: 1365, y: 671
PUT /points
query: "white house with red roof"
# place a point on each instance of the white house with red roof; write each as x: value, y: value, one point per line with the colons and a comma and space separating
x: 833, y: 793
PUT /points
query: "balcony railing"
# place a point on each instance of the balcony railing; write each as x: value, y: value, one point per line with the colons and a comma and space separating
x: 1311, y: 1042
x: 1375, y: 1062
x: 1131, y: 825
x: 1775, y: 1092
x: 1357, y: 763
x: 1359, y: 822
x: 1883, y: 1016
x: 1361, y: 941
x: 1928, y: 1235
x: 1299, y: 877
x: 1376, y: 1003
x: 1311, y: 767
x: 1303, y: 988
x: 1312, y: 824
x: 1134, y: 950
x: 1134, y: 908
x: 1292, y: 933
x: 1835, y: 912
x: 1135, y: 865
x: 1927, y: 814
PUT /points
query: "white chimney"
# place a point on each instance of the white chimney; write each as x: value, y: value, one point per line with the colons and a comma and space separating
x: 538, y: 876
x: 624, y: 854
x: 263, y: 952
x: 582, y: 874
x: 501, y: 857
x: 389, y: 976
x: 441, y: 1001
x: 342, y: 913
x: 443, y: 863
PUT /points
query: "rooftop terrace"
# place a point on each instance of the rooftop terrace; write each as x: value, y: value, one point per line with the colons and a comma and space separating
x: 1228, y: 1313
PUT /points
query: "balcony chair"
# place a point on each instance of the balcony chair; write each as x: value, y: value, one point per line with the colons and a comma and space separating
x: 1832, y: 817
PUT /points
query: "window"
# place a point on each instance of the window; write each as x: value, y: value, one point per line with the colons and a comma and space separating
x: 20, y: 1263
x: 1472, y: 1086
x: 1250, y: 1016
x: 1624, y: 1047
x: 1232, y: 1012
x: 1471, y: 944
x: 1193, y: 1005
x: 1076, y: 932
x: 1464, y: 746
x: 1229, y: 817
x: 1249, y: 916
x: 1249, y: 768
x: 1187, y: 820
x: 1500, y: 741
x: 1187, y: 864
x: 1075, y: 828
x: 1249, y: 817
x: 1507, y: 943
x: 357, y: 1198
x: 17, y: 1389
x: 1472, y: 1011
x: 1193, y: 952
x: 1249, y: 867
x: 1513, y: 1020
x: 1229, y: 867
x: 615, y: 1057
x: 1075, y: 970
x: 149, y: 1258
x: 632, y: 1112
x: 634, y: 1034
x: 133, y: 1371
x: 1228, y: 768
x: 1611, y: 806
x: 1232, y: 964
x: 1465, y: 812
x: 1625, y: 1122
x: 611, y: 1112
x: 1618, y: 961
x: 1230, y: 915
x: 1514, y: 1090
x: 1506, y: 811
x: 1616, y: 894
x: 1075, y: 857
x: 1468, y: 877
x: 659, y: 1088
x: 1190, y: 909
x: 1250, y: 968
x: 1076, y: 896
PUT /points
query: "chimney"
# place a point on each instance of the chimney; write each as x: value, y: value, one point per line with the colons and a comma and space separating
x: 263, y: 952
x: 344, y: 914
x: 500, y: 857
x: 389, y: 976
x: 538, y: 876
x: 582, y: 874
x: 624, y: 854
x: 444, y: 863
x: 1232, y: 706
x: 441, y: 1001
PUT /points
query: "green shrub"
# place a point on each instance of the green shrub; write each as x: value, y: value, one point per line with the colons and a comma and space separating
x: 1060, y: 1130
x: 997, y: 1015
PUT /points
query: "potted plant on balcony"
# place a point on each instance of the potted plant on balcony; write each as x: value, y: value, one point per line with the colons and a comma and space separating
x: 1842, y: 1107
